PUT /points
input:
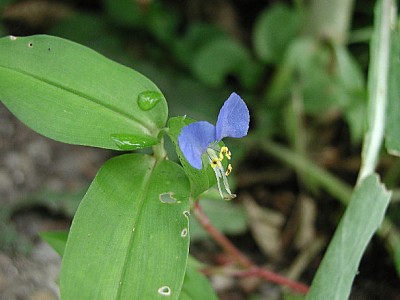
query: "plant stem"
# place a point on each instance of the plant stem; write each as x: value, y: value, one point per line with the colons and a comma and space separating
x: 159, y: 151
x: 220, y: 238
x: 377, y: 88
x: 276, y: 278
x: 253, y: 270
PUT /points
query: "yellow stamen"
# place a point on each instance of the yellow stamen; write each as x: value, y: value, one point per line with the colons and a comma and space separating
x: 215, y: 162
x: 228, y: 170
x: 221, y: 156
x: 225, y: 151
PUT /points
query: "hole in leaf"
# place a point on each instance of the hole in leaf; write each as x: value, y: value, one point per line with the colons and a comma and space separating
x: 184, y: 232
x: 30, y: 44
x: 165, y: 291
x: 186, y: 213
x: 167, y: 198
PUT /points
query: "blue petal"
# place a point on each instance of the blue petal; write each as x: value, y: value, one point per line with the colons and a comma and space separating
x: 233, y: 119
x: 194, y: 140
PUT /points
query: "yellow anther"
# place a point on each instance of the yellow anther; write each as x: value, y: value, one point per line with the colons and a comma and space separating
x: 221, y: 156
x: 225, y: 151
x: 228, y: 170
x: 215, y: 162
x: 228, y: 155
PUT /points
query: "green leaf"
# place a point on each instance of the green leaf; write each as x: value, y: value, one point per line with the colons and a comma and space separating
x: 313, y: 60
x: 362, y: 218
x: 162, y: 21
x: 222, y: 57
x: 353, y: 96
x: 125, y: 243
x: 72, y: 94
x: 56, y: 239
x: 349, y: 72
x: 196, y: 286
x: 274, y: 30
x: 200, y: 180
x: 323, y: 85
x: 393, y: 109
x: 197, y: 35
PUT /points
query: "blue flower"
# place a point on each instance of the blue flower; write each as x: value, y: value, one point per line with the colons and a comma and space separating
x: 202, y: 137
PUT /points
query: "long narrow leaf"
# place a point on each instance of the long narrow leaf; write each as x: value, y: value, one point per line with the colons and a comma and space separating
x: 129, y: 238
x: 362, y: 218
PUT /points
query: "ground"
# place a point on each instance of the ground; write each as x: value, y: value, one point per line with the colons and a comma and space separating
x: 35, y: 173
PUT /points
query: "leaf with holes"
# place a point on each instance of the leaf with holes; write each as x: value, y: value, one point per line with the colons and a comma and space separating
x: 72, y: 94
x: 129, y: 238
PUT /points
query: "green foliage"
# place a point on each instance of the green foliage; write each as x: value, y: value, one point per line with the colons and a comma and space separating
x: 362, y: 218
x: 154, y: 17
x: 86, y: 29
x: 130, y: 235
x: 327, y: 79
x: 324, y: 87
x: 92, y: 98
x: 195, y: 284
x: 223, y: 57
x: 117, y: 248
x: 351, y: 94
x: 4, y: 3
x: 274, y: 30
x: 366, y: 210
x: 197, y: 36
x: 125, y: 12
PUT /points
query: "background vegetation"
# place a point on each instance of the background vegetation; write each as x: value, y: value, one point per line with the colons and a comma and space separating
x: 301, y: 67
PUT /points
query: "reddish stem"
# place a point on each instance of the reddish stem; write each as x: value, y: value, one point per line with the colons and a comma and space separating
x: 276, y: 278
x: 252, y: 269
x: 221, y: 239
